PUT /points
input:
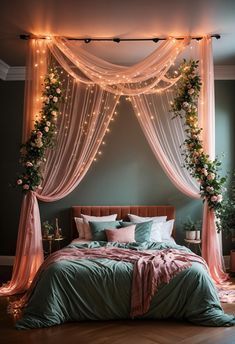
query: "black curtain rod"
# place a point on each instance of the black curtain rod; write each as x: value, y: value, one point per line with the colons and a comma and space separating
x: 116, y: 40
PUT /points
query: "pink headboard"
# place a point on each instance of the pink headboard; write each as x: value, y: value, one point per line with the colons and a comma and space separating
x: 122, y: 211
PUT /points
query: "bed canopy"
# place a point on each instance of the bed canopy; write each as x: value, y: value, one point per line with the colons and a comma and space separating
x: 93, y: 87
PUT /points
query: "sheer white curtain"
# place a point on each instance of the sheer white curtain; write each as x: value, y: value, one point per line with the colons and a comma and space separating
x: 92, y: 96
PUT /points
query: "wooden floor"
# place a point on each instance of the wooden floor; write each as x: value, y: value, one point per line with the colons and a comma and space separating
x: 116, y: 332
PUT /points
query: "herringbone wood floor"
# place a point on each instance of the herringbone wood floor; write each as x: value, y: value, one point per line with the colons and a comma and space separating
x: 116, y: 332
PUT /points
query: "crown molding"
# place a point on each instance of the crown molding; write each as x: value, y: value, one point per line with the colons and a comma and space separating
x: 4, y: 68
x: 8, y: 73
x: 16, y: 73
x: 224, y: 72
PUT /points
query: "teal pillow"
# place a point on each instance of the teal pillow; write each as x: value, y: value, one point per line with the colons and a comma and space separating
x: 142, y: 230
x: 98, y: 229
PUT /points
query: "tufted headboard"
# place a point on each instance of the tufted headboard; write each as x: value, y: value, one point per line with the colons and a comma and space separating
x: 122, y: 211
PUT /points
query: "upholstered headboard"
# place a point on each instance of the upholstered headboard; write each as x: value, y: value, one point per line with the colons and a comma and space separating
x: 122, y: 211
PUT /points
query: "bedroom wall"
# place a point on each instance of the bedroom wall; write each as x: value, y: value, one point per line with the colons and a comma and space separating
x: 127, y: 172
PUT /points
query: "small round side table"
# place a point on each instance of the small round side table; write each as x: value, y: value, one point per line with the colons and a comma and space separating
x: 50, y: 241
x: 196, y: 244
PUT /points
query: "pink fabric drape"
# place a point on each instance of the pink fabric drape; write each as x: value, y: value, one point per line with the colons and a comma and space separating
x: 211, y: 250
x: 84, y: 121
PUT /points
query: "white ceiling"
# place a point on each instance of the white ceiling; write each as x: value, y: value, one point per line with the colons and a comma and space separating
x: 117, y: 18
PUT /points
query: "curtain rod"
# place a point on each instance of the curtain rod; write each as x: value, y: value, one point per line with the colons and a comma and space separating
x: 116, y: 40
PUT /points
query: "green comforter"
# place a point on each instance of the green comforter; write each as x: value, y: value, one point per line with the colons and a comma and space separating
x: 100, y: 289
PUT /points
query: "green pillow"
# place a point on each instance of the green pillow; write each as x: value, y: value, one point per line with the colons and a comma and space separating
x: 98, y: 229
x: 142, y: 230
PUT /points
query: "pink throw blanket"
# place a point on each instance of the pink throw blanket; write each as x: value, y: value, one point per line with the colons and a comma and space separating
x: 151, y: 268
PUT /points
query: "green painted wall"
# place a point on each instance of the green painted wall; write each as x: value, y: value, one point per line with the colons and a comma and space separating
x: 127, y: 172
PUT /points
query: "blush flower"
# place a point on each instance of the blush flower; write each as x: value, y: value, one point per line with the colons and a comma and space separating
x: 19, y: 182
x: 25, y: 186
x: 214, y: 198
x: 211, y: 176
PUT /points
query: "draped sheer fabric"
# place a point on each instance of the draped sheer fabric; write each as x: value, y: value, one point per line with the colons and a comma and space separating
x: 93, y: 87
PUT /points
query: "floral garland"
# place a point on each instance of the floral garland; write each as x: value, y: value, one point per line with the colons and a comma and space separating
x: 32, y: 153
x: 196, y: 160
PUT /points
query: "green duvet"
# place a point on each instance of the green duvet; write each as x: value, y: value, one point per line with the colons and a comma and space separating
x: 100, y: 289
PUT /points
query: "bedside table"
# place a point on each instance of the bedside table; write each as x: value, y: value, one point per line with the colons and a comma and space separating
x: 53, y: 244
x: 196, y: 244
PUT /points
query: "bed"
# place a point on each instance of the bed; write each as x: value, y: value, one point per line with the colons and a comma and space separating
x: 100, y: 280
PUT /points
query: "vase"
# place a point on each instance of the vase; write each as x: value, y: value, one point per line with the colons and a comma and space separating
x: 191, y: 235
x: 198, y: 235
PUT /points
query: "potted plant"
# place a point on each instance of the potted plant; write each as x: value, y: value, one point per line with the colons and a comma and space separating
x: 47, y: 229
x: 192, y: 229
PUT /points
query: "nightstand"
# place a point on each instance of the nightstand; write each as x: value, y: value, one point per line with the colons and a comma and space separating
x: 53, y: 244
x: 195, y: 244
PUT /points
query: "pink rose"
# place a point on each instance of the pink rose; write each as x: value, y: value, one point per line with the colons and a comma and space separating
x: 53, y: 81
x: 25, y: 186
x: 19, y: 182
x: 214, y: 198
x: 29, y: 164
x: 58, y: 90
x: 211, y: 176
x: 209, y: 188
x: 46, y: 129
x: 39, y: 134
x: 204, y: 171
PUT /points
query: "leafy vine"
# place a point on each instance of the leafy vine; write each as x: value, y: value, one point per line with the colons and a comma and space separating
x: 42, y: 137
x: 197, y: 162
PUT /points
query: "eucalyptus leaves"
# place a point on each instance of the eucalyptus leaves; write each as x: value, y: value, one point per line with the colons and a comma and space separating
x: 32, y: 153
x: 196, y: 160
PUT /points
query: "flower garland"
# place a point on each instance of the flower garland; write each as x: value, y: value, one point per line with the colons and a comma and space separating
x: 32, y: 153
x: 196, y: 160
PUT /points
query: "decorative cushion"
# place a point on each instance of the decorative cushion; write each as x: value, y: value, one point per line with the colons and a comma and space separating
x: 98, y: 229
x: 87, y: 218
x: 124, y: 234
x: 142, y: 230
x: 138, y: 219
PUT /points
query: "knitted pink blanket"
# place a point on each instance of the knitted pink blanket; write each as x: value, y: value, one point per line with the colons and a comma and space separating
x: 151, y: 268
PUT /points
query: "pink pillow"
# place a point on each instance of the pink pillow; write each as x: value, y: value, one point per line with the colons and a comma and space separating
x: 125, y: 234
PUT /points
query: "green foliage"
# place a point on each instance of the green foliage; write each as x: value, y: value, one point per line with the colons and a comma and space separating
x: 190, y: 225
x: 32, y: 153
x: 196, y: 161
x: 226, y: 221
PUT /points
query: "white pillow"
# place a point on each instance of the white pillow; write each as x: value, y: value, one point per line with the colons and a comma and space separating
x: 87, y: 218
x: 138, y: 219
x: 156, y: 232
x: 162, y: 230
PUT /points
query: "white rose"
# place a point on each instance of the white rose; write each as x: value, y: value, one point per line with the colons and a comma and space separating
x: 48, y: 123
x: 191, y: 91
x: 58, y: 90
x: 55, y: 99
x: 46, y: 129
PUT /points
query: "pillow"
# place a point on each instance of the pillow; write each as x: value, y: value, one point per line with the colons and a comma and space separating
x: 167, y: 229
x: 138, y: 219
x: 87, y: 218
x: 98, y: 229
x: 142, y: 230
x: 125, y: 234
x: 162, y: 231
x: 80, y: 227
